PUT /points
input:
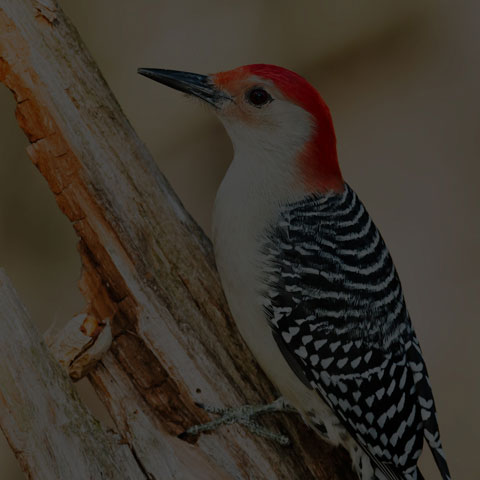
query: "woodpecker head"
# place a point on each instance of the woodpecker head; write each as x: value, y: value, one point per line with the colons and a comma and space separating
x: 271, y: 110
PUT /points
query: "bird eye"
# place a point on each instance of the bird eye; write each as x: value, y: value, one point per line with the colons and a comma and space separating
x: 258, y: 97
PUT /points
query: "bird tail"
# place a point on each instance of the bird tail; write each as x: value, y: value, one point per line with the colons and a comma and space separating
x: 441, y: 462
x: 431, y: 431
x: 433, y: 440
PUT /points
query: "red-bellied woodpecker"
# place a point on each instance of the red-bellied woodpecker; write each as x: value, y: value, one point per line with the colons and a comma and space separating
x: 308, y: 277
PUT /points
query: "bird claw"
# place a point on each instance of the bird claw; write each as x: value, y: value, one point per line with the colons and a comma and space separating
x: 242, y: 415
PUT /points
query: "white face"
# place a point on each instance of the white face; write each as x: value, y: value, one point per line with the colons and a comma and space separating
x: 260, y: 118
x: 268, y: 133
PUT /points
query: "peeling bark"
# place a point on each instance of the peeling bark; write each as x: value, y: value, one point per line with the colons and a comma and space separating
x: 147, y: 267
x: 41, y: 414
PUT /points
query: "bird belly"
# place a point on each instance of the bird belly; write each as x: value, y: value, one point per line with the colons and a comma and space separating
x: 246, y: 304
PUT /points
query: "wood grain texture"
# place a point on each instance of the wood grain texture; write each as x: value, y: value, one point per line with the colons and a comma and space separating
x: 147, y: 267
x: 48, y: 428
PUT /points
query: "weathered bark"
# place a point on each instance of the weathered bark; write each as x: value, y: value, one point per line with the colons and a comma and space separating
x: 52, y: 434
x: 147, y: 268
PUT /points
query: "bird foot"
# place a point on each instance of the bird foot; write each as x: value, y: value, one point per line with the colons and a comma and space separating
x: 244, y: 416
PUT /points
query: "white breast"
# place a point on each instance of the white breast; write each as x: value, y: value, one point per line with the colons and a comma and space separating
x: 244, y: 208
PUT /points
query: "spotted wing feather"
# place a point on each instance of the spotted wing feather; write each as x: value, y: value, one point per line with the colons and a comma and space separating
x: 335, y: 300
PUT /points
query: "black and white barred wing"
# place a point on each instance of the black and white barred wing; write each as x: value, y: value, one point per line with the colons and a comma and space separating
x: 337, y: 311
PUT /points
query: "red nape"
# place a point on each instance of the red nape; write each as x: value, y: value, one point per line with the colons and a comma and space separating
x: 319, y: 162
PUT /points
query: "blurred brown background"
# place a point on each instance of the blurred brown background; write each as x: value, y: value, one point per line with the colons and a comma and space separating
x: 402, y: 82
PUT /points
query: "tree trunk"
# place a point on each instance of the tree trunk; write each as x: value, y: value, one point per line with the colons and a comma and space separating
x: 157, y: 335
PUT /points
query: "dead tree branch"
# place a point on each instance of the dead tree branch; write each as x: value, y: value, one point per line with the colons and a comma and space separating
x: 41, y: 415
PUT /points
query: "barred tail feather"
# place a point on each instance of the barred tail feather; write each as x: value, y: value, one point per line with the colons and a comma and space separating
x: 441, y: 463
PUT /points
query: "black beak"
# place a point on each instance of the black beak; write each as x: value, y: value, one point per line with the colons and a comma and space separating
x: 192, y: 83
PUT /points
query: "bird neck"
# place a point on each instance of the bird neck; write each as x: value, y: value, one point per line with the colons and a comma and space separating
x: 318, y: 160
x: 255, y: 188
